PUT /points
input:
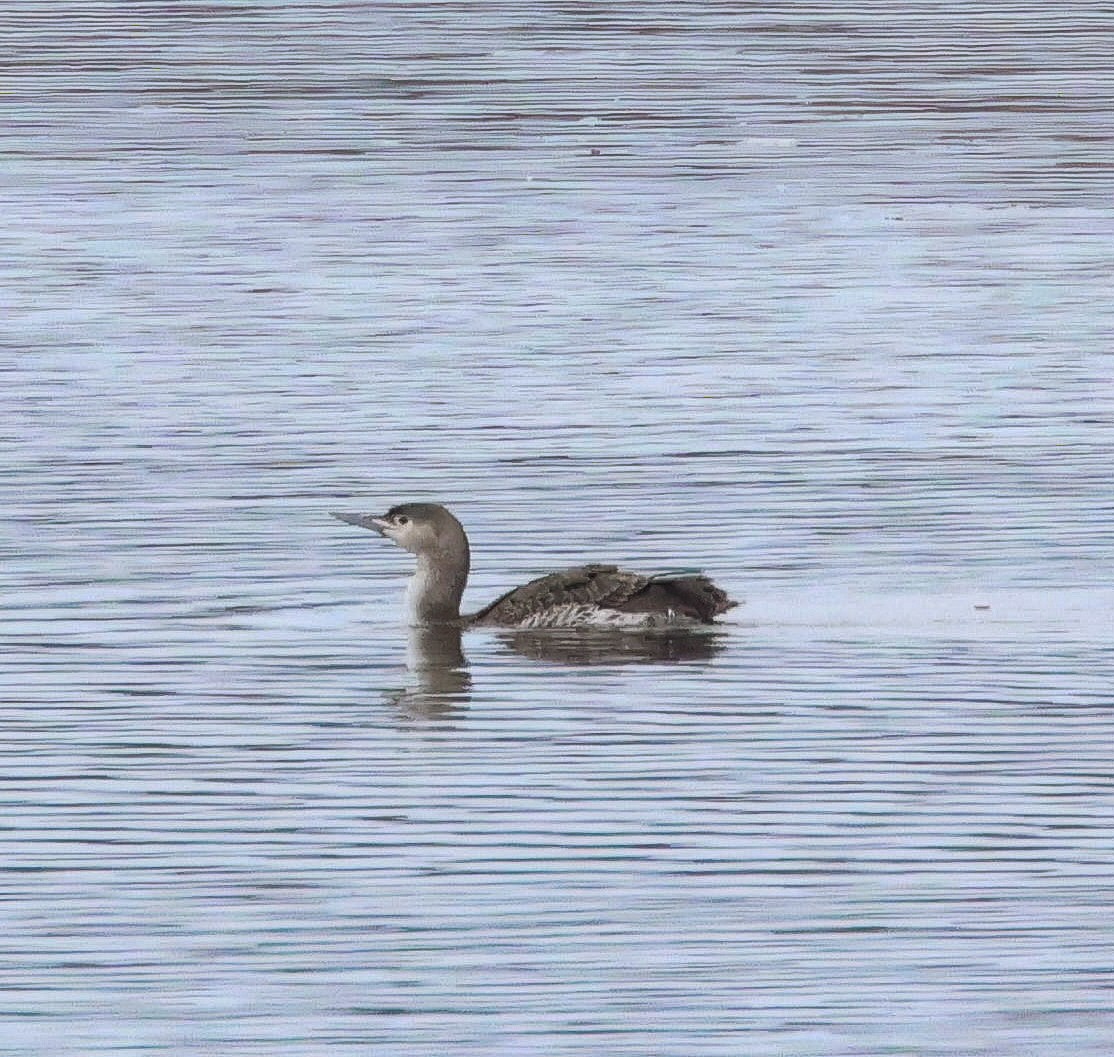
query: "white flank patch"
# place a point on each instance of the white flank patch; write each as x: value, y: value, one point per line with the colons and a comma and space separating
x: 582, y: 615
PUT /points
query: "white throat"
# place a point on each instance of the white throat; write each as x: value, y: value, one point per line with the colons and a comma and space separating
x: 417, y: 589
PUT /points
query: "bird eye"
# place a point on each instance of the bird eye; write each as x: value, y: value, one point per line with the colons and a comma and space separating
x: 402, y: 519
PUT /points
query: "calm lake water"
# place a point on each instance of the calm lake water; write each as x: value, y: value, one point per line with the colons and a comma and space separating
x: 814, y: 297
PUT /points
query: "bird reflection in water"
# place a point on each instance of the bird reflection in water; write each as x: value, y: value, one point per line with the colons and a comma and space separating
x: 440, y: 682
x: 615, y: 647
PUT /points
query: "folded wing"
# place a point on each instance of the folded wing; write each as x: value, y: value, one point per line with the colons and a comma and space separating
x: 606, y: 588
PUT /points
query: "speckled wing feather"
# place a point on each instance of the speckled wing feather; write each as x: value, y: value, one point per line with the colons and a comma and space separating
x: 598, y: 586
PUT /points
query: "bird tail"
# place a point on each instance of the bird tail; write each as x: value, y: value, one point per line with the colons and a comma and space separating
x: 688, y: 595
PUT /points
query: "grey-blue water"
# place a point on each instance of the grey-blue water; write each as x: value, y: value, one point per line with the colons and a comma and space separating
x: 815, y: 297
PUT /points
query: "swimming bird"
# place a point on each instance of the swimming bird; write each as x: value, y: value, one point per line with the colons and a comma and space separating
x: 590, y: 596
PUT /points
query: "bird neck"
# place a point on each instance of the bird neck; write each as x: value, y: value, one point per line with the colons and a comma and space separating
x: 434, y: 593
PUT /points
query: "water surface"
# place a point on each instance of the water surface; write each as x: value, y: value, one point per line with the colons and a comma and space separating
x: 815, y: 299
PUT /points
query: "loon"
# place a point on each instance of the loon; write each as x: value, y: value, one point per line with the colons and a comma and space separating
x: 588, y: 596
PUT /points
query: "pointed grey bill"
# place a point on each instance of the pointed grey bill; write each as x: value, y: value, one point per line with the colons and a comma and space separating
x: 368, y: 521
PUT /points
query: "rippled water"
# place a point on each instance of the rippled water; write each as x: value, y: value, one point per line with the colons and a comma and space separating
x: 814, y: 298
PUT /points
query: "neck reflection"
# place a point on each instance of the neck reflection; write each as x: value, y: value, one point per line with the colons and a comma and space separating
x: 439, y: 682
